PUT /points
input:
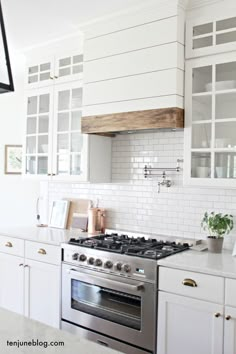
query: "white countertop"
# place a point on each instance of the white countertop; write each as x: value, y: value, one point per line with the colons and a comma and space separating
x: 47, y: 235
x: 203, y: 262
x: 14, y: 328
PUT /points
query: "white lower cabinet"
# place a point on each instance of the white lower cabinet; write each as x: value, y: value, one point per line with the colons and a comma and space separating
x: 230, y: 330
x: 42, y: 292
x: 12, y: 283
x: 31, y: 287
x: 187, y: 326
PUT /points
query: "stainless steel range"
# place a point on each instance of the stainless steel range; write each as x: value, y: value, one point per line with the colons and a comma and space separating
x: 109, y: 289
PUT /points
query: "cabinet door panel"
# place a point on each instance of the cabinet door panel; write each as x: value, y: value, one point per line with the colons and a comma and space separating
x: 188, y: 326
x: 12, y: 283
x: 230, y: 331
x: 40, y: 72
x: 43, y: 292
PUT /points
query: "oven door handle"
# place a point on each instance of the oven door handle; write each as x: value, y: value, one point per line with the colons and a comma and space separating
x: 122, y: 286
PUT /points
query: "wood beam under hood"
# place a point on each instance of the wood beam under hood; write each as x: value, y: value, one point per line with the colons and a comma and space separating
x: 164, y: 118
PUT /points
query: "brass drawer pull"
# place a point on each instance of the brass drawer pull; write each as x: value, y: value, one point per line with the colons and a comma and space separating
x: 189, y: 282
x: 217, y: 314
x: 228, y: 318
x: 42, y: 251
x: 8, y: 244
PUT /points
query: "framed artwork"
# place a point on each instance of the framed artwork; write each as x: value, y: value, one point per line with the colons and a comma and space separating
x: 59, y: 213
x: 13, y: 159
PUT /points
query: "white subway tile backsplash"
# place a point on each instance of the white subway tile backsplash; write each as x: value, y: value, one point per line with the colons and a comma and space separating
x: 133, y: 203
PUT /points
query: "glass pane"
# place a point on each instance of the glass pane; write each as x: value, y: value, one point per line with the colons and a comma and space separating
x: 64, y: 72
x: 45, y: 67
x: 44, y: 103
x: 225, y: 136
x: 75, y: 161
x: 76, y: 120
x: 76, y: 142
x: 30, y: 165
x: 202, y: 29
x: 31, y: 145
x: 45, y: 76
x: 62, y: 143
x: 78, y: 58
x: 225, y: 165
x: 31, y: 125
x: 63, y: 100
x: 226, y: 76
x: 201, y: 136
x: 202, y: 79
x: 77, y: 69
x: 63, y: 122
x: 202, y: 108
x: 226, y: 105
x: 226, y: 24
x: 42, y: 144
x: 62, y: 164
x: 76, y: 98
x: 42, y: 165
x: 32, y: 105
x: 201, y: 165
x: 32, y: 79
x: 33, y: 69
x: 65, y: 61
x: 43, y: 124
x: 203, y: 42
x: 226, y: 37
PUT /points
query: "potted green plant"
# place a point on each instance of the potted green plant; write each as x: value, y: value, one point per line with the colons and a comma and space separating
x: 218, y: 225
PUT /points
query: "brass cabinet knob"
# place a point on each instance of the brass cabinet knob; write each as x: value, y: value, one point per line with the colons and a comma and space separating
x: 51, y: 77
x: 8, y: 244
x: 217, y: 314
x: 55, y: 77
x: 189, y: 282
x: 42, y: 251
x: 26, y: 266
x: 228, y: 317
x: 21, y: 265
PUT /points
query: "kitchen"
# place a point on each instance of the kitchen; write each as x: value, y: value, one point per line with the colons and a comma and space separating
x: 149, y: 85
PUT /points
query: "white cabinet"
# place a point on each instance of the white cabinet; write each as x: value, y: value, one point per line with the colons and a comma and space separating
x: 189, y: 326
x: 54, y: 69
x: 210, y: 142
x: 230, y: 330
x: 42, y: 292
x: 12, y: 283
x: 211, y: 35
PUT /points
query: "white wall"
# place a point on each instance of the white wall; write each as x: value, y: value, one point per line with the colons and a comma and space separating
x: 17, y: 196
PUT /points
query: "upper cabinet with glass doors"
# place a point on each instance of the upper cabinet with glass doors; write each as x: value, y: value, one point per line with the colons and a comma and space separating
x: 210, y: 138
x: 206, y: 36
x: 56, y: 69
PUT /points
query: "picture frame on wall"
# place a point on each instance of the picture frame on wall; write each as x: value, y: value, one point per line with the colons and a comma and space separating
x: 13, y: 160
x: 59, y: 213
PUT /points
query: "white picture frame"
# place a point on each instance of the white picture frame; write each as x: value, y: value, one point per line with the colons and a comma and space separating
x: 59, y: 214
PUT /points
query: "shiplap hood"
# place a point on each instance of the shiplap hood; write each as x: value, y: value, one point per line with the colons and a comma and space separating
x: 134, y: 71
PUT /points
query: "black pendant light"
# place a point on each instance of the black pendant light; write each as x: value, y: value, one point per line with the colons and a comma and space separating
x: 6, y: 81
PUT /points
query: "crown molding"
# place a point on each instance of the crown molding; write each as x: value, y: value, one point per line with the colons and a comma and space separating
x: 194, y: 4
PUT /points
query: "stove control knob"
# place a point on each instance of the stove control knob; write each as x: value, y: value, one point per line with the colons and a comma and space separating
x: 119, y: 266
x: 98, y: 262
x: 91, y: 260
x: 75, y: 256
x: 127, y: 268
x: 108, y: 264
x: 82, y: 257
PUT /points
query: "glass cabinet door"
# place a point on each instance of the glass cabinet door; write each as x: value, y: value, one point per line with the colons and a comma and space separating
x: 41, y: 73
x: 69, y: 68
x: 213, y: 121
x: 69, y: 143
x: 37, y: 145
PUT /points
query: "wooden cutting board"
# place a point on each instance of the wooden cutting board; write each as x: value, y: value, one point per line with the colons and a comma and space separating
x: 77, y: 206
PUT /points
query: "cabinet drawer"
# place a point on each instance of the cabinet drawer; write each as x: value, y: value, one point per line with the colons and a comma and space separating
x: 12, y: 245
x: 199, y: 286
x: 43, y: 252
x: 230, y: 292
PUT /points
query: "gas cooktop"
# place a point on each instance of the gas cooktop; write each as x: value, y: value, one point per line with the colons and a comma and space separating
x: 132, y: 246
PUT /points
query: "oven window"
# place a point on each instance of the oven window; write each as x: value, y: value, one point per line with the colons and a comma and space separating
x: 105, y: 303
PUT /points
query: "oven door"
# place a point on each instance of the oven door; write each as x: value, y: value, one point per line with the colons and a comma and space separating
x: 122, y: 308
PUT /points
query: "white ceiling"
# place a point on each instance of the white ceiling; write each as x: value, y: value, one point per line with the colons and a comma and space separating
x: 31, y: 22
